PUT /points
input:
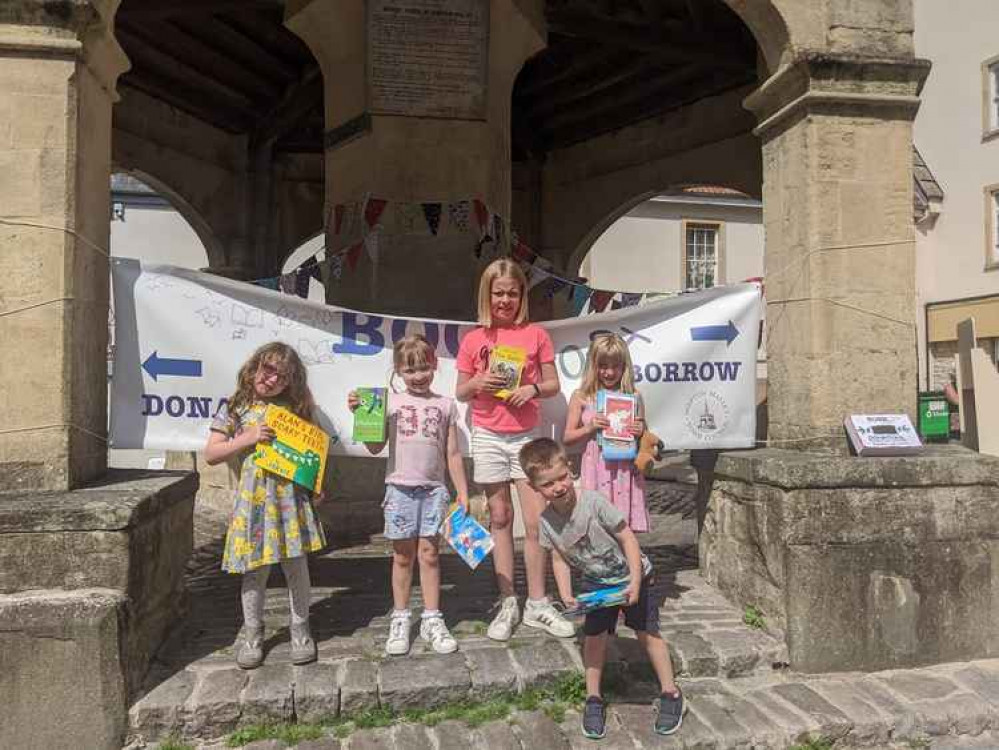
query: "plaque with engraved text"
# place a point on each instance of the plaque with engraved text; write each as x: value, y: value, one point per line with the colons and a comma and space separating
x: 428, y: 58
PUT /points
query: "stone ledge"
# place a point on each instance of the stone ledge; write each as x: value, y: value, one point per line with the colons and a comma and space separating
x: 122, y: 499
x: 938, y: 466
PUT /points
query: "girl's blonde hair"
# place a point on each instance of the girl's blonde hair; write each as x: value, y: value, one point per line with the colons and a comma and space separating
x: 296, y: 390
x: 611, y: 349
x: 412, y: 351
x: 501, y: 268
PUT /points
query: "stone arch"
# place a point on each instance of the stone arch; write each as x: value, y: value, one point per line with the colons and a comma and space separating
x: 213, y: 247
x: 767, y: 23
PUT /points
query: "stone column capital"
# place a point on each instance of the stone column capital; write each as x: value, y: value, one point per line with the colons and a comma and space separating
x: 74, y: 29
x: 836, y: 83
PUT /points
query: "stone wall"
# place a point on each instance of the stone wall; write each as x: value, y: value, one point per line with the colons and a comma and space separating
x: 867, y: 563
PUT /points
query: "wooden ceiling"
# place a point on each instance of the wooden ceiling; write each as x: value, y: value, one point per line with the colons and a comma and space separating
x: 609, y: 63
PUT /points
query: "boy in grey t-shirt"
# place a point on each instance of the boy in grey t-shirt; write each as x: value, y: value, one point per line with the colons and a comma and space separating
x: 586, y: 532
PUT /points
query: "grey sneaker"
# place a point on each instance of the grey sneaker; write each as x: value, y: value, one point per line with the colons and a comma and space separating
x: 434, y: 631
x: 303, y: 648
x: 398, y: 638
x: 250, y: 648
x: 594, y: 718
x: 668, y: 711
x: 544, y: 616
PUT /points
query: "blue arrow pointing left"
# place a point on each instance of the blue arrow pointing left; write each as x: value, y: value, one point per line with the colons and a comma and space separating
x: 725, y: 333
x: 184, y: 368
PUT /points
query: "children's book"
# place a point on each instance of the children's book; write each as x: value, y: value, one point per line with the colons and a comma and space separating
x: 468, y: 537
x: 612, y: 596
x: 508, y: 362
x: 369, y: 417
x: 616, y: 443
x: 298, y: 451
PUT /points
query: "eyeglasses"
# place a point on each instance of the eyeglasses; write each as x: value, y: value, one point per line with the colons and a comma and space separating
x: 270, y: 372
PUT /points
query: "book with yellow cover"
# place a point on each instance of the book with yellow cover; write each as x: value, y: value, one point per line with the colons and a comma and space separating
x: 298, y: 451
x: 508, y: 362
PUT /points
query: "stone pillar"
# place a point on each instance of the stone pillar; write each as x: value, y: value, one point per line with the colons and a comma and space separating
x: 58, y: 66
x: 840, y: 255
x: 415, y: 157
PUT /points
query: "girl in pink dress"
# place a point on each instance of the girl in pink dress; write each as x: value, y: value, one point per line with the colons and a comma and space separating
x: 608, y: 367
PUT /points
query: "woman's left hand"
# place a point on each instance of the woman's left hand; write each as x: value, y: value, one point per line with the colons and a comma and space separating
x: 521, y: 395
x: 636, y: 427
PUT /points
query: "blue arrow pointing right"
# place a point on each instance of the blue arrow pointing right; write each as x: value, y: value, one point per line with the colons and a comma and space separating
x: 726, y: 333
x: 183, y: 368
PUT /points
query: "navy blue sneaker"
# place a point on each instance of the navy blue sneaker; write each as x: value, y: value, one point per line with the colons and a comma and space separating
x: 668, y: 710
x: 594, y: 718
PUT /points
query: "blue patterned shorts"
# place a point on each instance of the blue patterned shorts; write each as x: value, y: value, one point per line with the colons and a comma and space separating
x: 414, y: 511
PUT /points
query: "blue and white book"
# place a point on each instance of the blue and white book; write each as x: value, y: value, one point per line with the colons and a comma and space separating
x: 468, y: 537
x: 610, y: 596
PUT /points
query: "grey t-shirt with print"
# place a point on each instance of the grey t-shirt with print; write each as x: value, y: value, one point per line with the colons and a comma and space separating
x: 586, y: 539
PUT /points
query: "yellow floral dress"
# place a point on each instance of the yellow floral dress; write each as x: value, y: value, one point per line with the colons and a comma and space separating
x: 272, y: 518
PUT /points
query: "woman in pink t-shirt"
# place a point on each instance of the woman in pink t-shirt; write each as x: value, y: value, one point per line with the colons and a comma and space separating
x: 500, y: 428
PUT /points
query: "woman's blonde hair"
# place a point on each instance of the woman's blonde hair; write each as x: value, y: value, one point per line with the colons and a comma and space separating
x: 296, y: 390
x: 412, y: 351
x: 608, y: 348
x: 501, y: 268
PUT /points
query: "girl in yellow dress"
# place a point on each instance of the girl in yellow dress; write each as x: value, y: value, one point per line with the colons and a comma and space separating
x: 273, y: 520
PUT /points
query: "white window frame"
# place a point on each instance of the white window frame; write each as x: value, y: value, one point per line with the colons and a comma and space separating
x: 990, y: 98
x: 718, y: 227
x: 992, y: 227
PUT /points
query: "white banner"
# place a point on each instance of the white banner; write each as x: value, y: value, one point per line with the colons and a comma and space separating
x: 181, y: 336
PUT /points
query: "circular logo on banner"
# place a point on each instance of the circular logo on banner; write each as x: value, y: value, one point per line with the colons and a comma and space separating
x: 707, y: 415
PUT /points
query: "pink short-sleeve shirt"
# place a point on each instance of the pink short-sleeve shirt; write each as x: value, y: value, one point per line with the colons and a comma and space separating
x: 488, y: 411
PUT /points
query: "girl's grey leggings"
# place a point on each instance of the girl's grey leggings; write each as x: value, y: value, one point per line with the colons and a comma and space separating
x: 296, y: 572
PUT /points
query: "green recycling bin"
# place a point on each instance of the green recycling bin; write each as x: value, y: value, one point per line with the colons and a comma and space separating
x: 934, y: 416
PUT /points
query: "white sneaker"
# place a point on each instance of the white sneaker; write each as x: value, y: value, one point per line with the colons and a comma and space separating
x: 435, y: 632
x: 398, y: 638
x: 546, y: 617
x: 501, y: 628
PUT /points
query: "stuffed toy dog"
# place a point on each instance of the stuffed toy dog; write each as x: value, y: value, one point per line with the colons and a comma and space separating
x: 649, y: 451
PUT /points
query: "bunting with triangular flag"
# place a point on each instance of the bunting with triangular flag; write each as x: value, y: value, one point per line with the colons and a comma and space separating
x: 481, y: 217
x: 373, y: 210
x: 630, y: 299
x: 600, y: 299
x: 432, y: 213
x: 556, y: 285
x: 458, y: 215
x: 371, y: 245
x: 336, y: 266
x: 353, y: 254
x: 580, y: 294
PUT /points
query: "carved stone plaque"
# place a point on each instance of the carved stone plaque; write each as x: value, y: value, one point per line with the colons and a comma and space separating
x: 428, y: 58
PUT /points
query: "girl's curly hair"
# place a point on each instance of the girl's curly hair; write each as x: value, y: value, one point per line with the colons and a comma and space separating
x: 296, y: 392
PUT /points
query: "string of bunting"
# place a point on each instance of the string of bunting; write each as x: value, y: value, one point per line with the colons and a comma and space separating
x: 356, y: 227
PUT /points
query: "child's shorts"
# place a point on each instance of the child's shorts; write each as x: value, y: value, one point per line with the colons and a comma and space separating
x: 496, y: 455
x: 414, y: 511
x: 642, y: 616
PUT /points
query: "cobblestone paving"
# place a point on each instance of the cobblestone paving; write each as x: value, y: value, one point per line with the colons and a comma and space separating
x: 740, y: 693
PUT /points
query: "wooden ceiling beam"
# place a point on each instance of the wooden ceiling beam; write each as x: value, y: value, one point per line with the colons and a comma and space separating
x: 172, y: 40
x: 567, y: 66
x: 149, y: 56
x: 561, y: 96
x: 147, y: 9
x: 242, y: 48
x: 273, y: 33
x: 717, y: 48
x: 178, y: 94
x: 632, y: 109
x: 299, y: 102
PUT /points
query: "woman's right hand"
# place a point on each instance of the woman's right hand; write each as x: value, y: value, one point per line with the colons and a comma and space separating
x: 600, y: 422
x: 353, y: 401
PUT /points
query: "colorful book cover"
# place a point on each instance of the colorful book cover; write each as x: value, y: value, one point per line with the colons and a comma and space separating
x: 468, y: 537
x: 507, y: 361
x: 612, y: 596
x: 298, y: 451
x: 616, y: 443
x: 369, y: 417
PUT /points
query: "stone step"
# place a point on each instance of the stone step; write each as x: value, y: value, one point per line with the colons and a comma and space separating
x: 946, y: 707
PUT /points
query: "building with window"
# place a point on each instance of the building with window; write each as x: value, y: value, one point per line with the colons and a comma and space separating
x: 696, y: 237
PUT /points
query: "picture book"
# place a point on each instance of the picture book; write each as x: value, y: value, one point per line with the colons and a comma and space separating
x: 468, y: 537
x: 298, y: 451
x: 369, y: 417
x: 612, y: 596
x: 616, y: 443
x: 507, y: 361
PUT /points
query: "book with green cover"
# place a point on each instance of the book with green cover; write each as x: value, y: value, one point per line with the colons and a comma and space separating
x: 369, y: 416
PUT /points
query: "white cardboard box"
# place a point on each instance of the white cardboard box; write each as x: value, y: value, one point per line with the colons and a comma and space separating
x: 882, y: 435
